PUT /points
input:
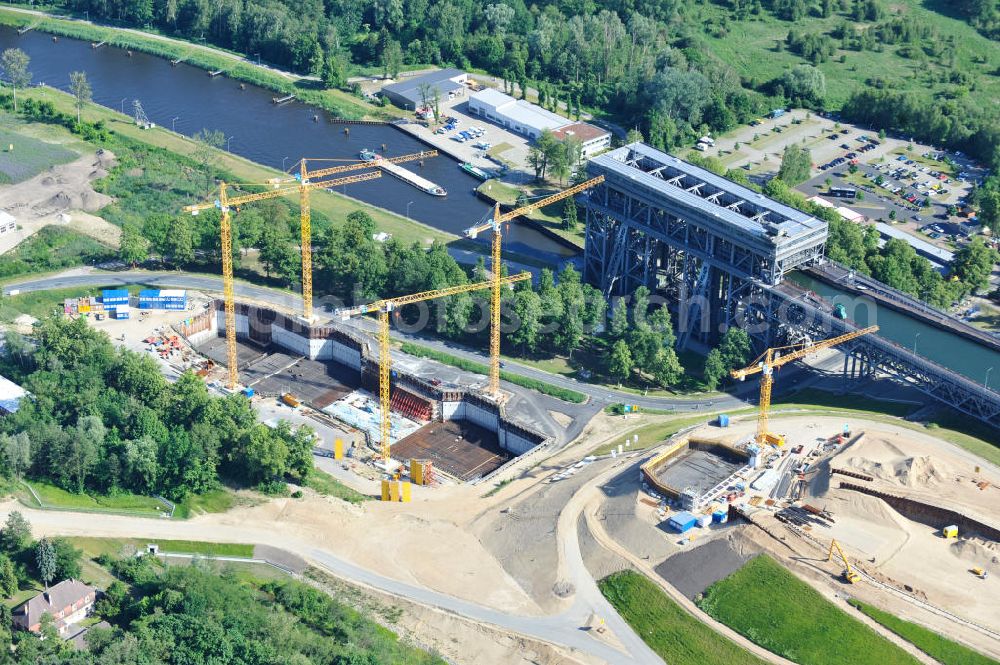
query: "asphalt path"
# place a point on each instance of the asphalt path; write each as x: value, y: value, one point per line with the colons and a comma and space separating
x: 292, y: 301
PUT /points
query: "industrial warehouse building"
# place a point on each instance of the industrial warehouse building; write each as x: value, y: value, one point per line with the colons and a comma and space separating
x: 516, y: 115
x: 530, y: 120
x: 449, y: 83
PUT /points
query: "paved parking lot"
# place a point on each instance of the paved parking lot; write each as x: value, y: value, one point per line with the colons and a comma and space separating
x: 516, y: 151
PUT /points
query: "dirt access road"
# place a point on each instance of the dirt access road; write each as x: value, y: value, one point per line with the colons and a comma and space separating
x: 455, y: 576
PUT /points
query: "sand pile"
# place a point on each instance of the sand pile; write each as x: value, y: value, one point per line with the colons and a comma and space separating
x: 979, y: 553
x: 914, y: 472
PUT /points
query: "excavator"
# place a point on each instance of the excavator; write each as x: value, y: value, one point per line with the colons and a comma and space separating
x: 849, y: 574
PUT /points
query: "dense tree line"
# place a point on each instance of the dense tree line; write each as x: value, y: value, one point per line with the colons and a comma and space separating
x: 104, y: 419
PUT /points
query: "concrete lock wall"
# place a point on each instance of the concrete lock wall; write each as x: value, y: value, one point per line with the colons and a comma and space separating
x: 453, y: 410
x: 516, y: 440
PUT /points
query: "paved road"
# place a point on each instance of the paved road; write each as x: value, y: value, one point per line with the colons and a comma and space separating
x: 561, y: 629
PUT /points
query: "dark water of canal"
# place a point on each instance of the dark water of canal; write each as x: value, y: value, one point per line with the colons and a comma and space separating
x: 186, y: 98
x: 961, y: 355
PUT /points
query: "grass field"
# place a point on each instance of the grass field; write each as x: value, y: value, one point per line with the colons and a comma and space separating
x: 549, y: 217
x: 94, y: 547
x: 327, y: 485
x: 53, y: 497
x: 675, y: 635
x: 216, y: 501
x: 29, y: 157
x: 936, y: 646
x: 480, y: 368
x: 783, y: 614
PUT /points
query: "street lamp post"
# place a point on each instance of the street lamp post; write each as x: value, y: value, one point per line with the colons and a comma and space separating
x: 986, y: 382
x: 408, y: 209
x: 123, y: 104
x: 915, y: 336
x: 227, y: 144
x: 283, y: 160
x: 173, y: 124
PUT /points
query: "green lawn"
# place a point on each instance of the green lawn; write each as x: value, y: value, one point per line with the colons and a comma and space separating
x: 936, y: 646
x: 675, y: 635
x: 327, y: 485
x: 655, y: 433
x: 29, y: 157
x: 480, y: 368
x: 550, y: 216
x: 216, y: 501
x: 94, y: 547
x: 53, y: 497
x: 783, y: 614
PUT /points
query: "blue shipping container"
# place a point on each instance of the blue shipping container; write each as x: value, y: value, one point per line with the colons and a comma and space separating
x: 720, y: 516
x: 173, y: 299
x: 114, y: 297
x: 723, y: 420
x: 682, y: 522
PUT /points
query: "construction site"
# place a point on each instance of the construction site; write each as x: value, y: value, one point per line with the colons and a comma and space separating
x: 331, y: 373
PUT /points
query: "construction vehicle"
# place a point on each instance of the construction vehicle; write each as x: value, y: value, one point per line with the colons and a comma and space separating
x: 772, y: 359
x: 304, y: 179
x: 495, y: 224
x: 384, y: 308
x: 979, y: 572
x: 224, y: 203
x: 290, y: 400
x: 849, y: 573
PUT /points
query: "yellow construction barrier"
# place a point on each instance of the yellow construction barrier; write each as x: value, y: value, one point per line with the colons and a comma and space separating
x: 385, y: 490
x: 404, y: 492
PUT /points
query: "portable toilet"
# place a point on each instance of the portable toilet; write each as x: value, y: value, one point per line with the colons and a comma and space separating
x: 338, y: 449
x: 950, y: 531
x: 723, y: 420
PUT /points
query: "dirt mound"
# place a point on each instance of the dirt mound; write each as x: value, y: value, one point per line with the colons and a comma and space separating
x: 48, y: 181
x: 105, y: 159
x: 913, y: 472
x: 979, y: 553
x: 97, y: 174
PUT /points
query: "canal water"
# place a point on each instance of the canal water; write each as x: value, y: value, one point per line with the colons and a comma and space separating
x: 186, y: 98
x: 956, y: 353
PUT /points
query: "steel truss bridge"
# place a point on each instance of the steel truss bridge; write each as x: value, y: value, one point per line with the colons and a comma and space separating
x: 719, y: 252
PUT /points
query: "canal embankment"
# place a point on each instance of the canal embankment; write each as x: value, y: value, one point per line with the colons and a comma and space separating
x: 232, y: 65
x: 860, y: 285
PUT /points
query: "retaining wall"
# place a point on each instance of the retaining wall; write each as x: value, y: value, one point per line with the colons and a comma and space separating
x: 266, y: 326
x: 933, y: 516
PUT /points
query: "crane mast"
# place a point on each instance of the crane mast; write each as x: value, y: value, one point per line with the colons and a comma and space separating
x: 306, y: 179
x: 496, y: 225
x: 767, y: 362
x: 225, y: 203
x: 384, y: 308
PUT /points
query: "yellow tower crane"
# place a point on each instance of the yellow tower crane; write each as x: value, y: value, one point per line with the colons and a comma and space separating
x: 224, y: 203
x: 384, y: 308
x: 849, y: 573
x: 305, y: 178
x: 495, y: 224
x: 771, y: 359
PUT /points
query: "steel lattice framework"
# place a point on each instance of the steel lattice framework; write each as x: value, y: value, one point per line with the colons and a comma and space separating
x: 663, y: 223
x: 720, y: 252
